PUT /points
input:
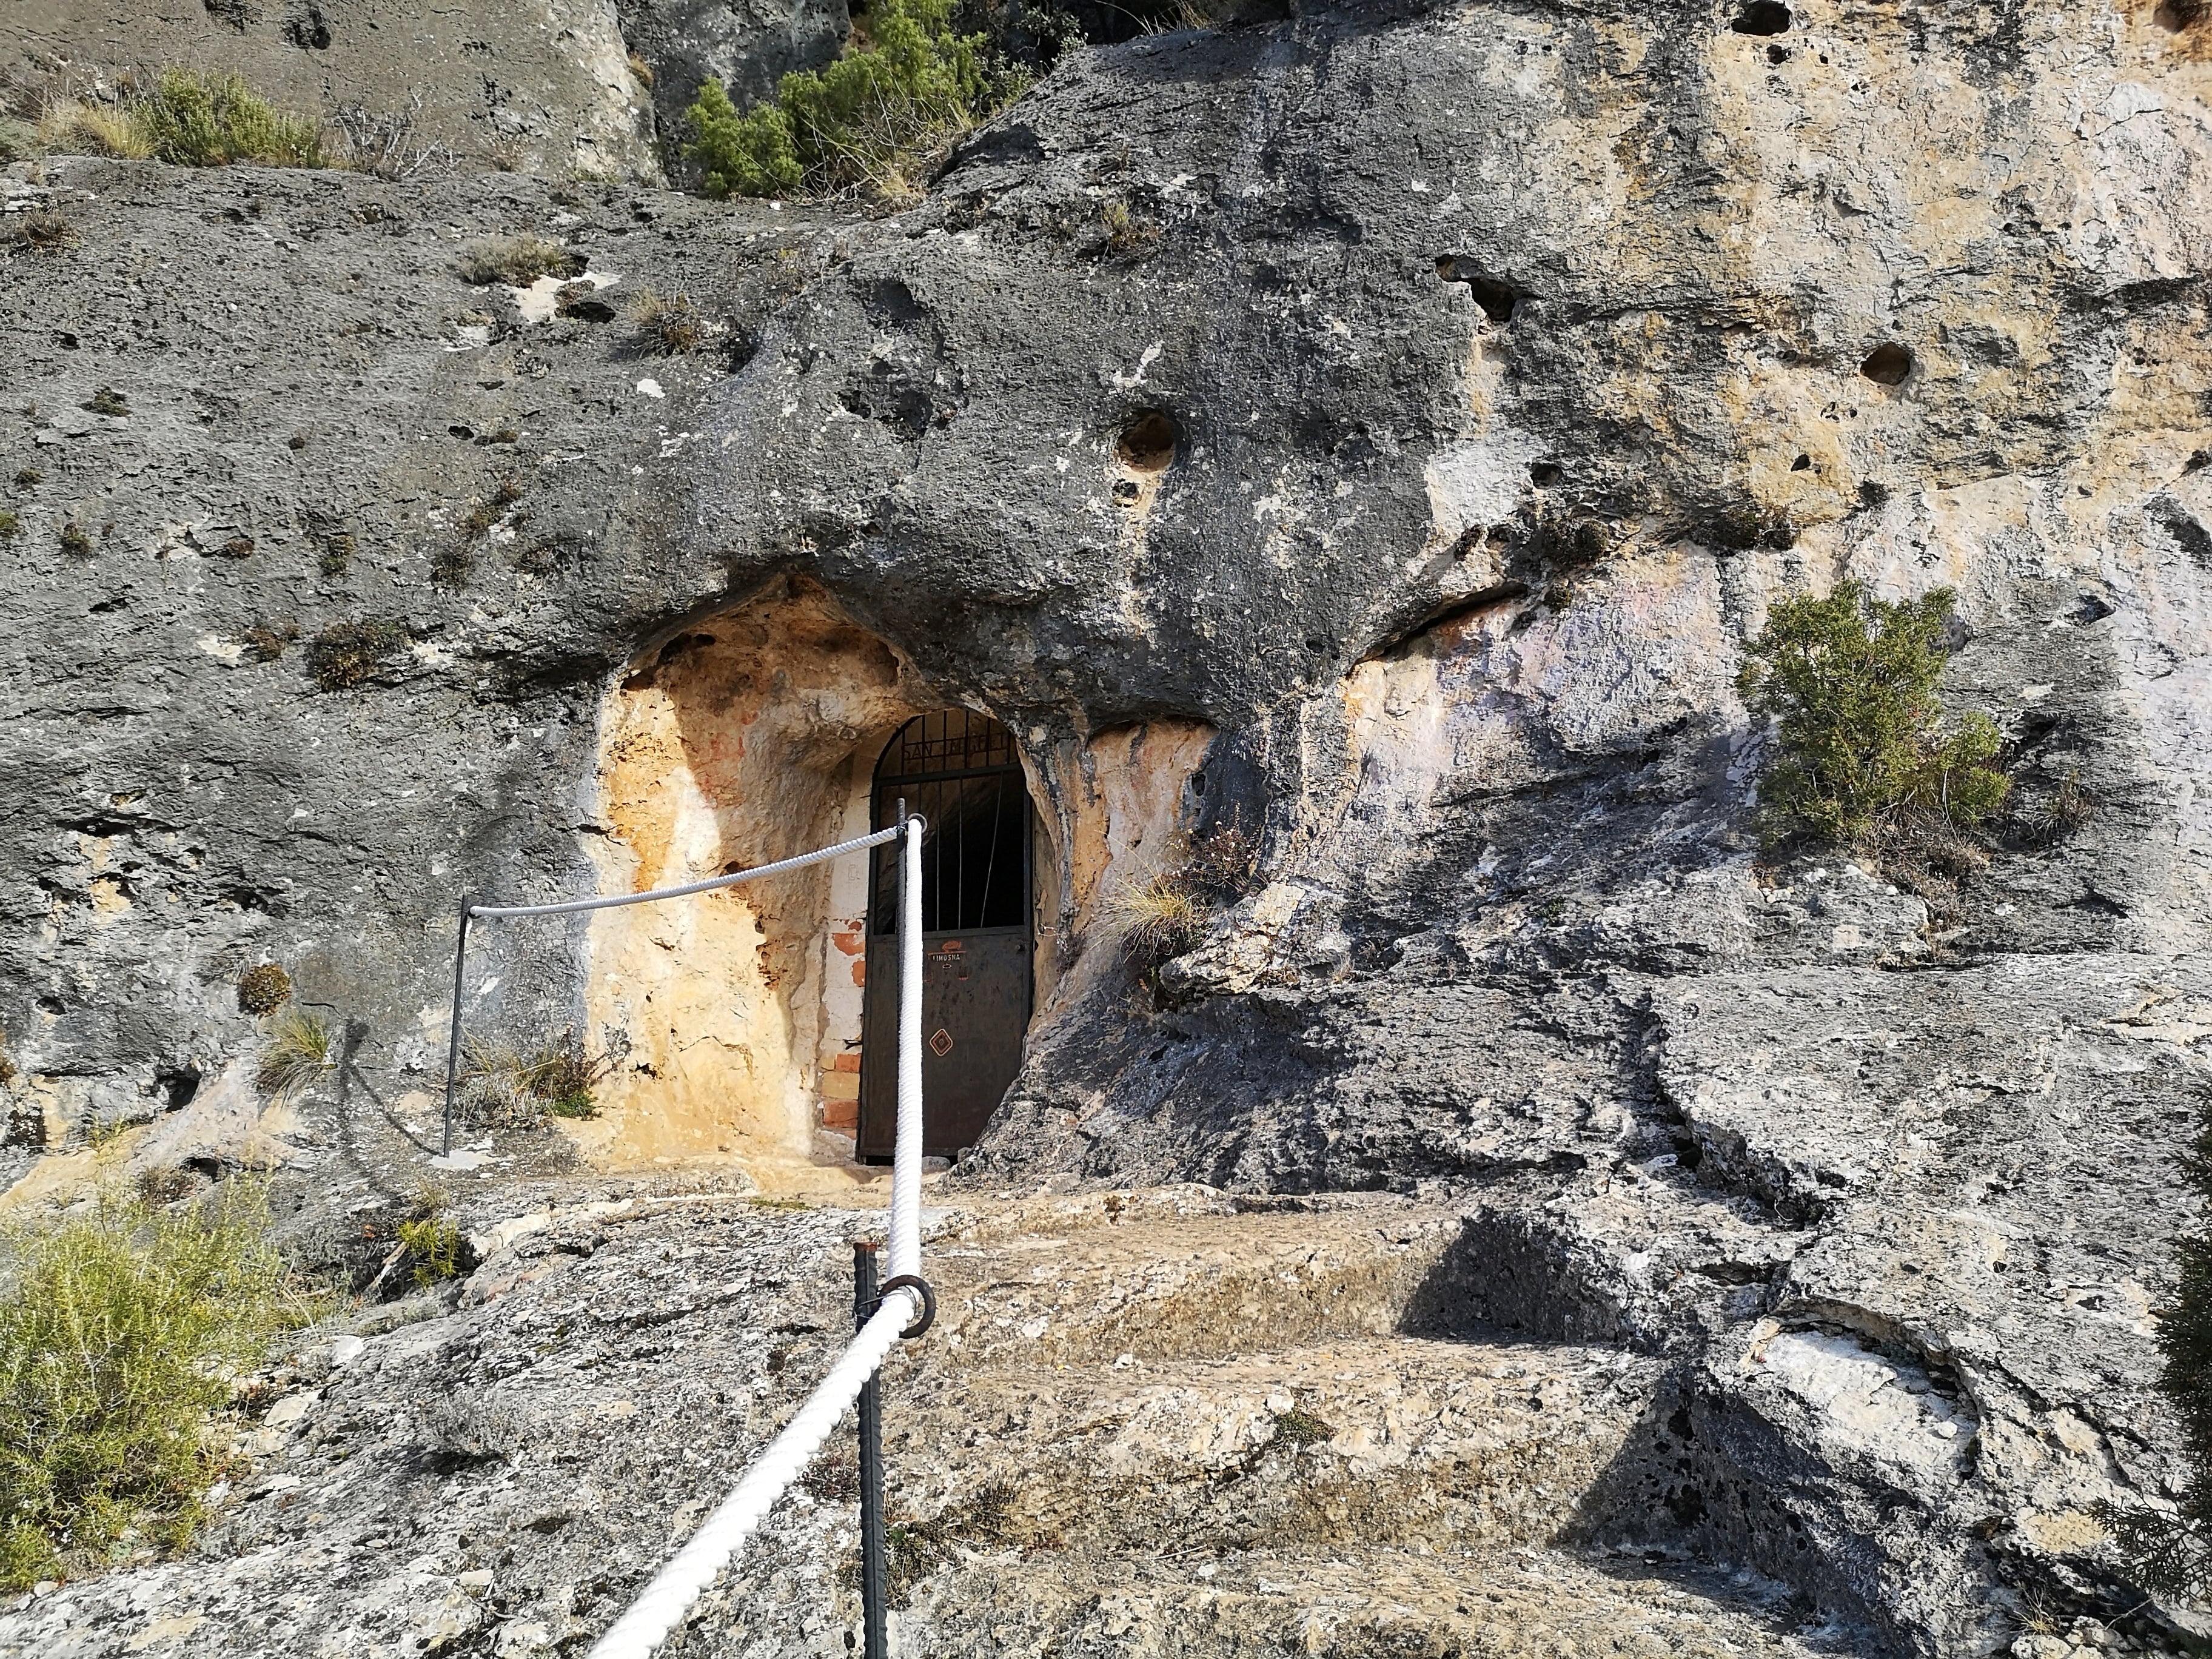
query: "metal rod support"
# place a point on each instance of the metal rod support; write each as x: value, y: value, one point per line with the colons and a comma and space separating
x: 874, y: 1626
x: 453, y: 1034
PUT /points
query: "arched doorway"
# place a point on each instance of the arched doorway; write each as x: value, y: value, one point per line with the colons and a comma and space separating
x: 959, y: 770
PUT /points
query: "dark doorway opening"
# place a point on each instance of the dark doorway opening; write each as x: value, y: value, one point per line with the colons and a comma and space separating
x: 958, y: 771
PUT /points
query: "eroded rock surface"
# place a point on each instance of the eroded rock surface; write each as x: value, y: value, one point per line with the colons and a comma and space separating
x: 1390, y: 423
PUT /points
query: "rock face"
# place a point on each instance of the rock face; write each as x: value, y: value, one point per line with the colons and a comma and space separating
x: 547, y: 88
x: 1379, y: 431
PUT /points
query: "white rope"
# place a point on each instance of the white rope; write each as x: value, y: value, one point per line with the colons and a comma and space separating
x: 570, y: 907
x: 661, y: 1606
x: 663, y: 1603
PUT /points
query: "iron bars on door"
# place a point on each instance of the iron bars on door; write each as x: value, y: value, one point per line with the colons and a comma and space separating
x: 906, y: 1307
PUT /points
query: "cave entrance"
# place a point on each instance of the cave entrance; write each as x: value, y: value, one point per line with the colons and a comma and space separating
x: 959, y: 770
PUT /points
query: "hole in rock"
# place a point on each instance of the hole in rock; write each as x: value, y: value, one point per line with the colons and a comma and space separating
x: 1887, y: 364
x: 1778, y: 54
x: 1803, y: 463
x: 1762, y: 17
x: 2175, y: 16
x: 1496, y: 298
x: 1147, y: 444
x: 1543, y: 472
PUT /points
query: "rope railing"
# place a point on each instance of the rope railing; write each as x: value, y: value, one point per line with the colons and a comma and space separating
x: 906, y: 1307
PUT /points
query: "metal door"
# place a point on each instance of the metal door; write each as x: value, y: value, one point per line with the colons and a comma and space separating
x: 957, y: 769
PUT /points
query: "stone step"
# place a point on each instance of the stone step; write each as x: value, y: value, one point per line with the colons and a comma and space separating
x: 1362, y: 1439
x: 1190, y: 1273
x: 1357, y: 1604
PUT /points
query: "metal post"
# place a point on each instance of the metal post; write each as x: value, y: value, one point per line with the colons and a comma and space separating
x: 453, y: 1037
x: 874, y: 1639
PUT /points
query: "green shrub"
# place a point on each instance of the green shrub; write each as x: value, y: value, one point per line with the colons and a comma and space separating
x: 75, y: 542
x: 120, y: 1331
x: 435, y: 1245
x: 860, y: 120
x: 10, y: 524
x: 211, y: 120
x: 1861, y: 742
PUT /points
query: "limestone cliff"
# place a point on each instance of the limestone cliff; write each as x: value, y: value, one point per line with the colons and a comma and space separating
x: 1378, y: 429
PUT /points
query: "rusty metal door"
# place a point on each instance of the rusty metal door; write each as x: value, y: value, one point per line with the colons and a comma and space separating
x: 958, y: 771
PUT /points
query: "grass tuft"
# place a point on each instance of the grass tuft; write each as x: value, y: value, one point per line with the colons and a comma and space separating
x: 1154, y: 918
x: 10, y: 524
x: 508, y: 1088
x: 298, y: 1052
x: 119, y: 1333
x: 670, y: 326
x: 518, y: 261
x: 74, y: 542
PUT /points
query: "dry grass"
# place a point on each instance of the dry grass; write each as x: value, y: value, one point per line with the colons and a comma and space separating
x: 506, y: 1087
x: 518, y: 261
x: 298, y: 1052
x: 346, y: 654
x: 669, y: 326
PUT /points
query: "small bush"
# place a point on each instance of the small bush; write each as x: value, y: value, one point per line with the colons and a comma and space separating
x: 348, y: 653
x: 118, y: 1334
x: 669, y: 327
x: 435, y: 1245
x: 1301, y: 1428
x: 107, y: 401
x: 212, y: 120
x: 75, y: 542
x: 29, y: 477
x: 336, y: 554
x: 10, y: 524
x: 263, y: 990
x: 1861, y: 742
x: 98, y: 128
x: 864, y: 119
x: 518, y: 261
x: 297, y: 1052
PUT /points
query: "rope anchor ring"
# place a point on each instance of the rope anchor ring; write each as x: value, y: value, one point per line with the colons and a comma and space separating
x: 912, y: 1282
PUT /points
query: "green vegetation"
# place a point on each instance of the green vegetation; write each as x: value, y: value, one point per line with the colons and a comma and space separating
x: 1862, y: 746
x: 297, y: 1052
x: 871, y: 118
x: 188, y: 120
x: 336, y: 554
x: 10, y: 524
x: 29, y: 477
x: 1296, y: 1427
x: 107, y: 401
x: 518, y: 261
x: 347, y: 653
x: 75, y: 542
x: 506, y: 1087
x: 435, y: 1244
x: 119, y: 1333
x: 263, y: 990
